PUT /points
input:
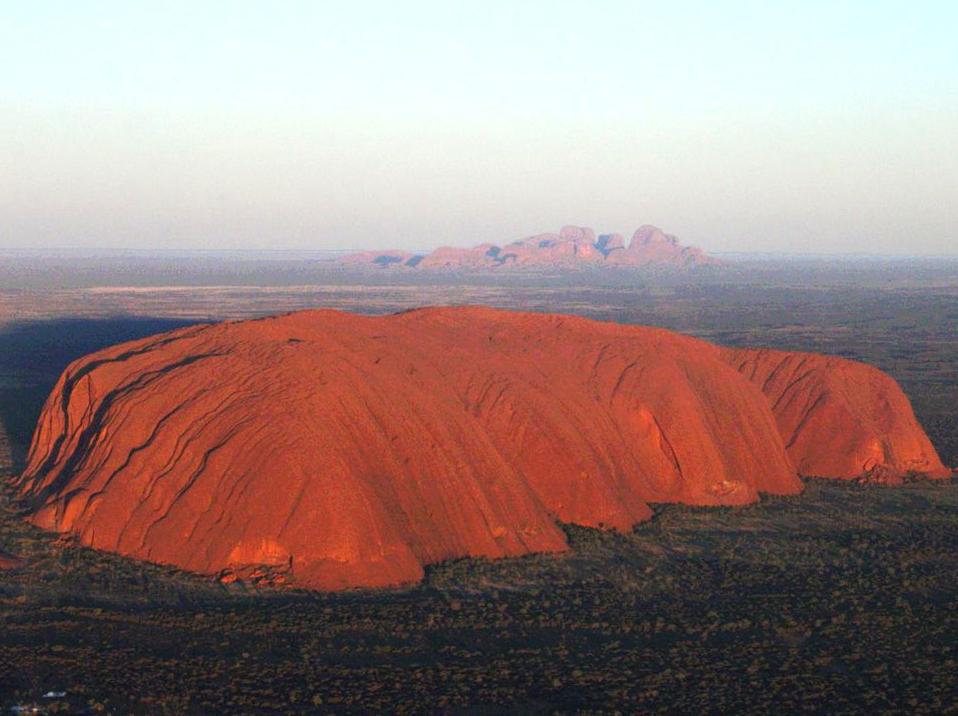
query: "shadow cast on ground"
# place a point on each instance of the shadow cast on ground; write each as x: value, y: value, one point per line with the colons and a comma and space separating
x: 33, y: 354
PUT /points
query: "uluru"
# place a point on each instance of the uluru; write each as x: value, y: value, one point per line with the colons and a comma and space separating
x: 572, y: 248
x: 352, y: 451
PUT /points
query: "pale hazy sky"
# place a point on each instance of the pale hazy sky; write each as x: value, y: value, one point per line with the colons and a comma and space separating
x: 770, y: 126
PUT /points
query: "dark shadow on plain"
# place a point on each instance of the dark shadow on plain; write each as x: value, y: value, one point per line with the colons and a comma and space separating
x: 33, y: 354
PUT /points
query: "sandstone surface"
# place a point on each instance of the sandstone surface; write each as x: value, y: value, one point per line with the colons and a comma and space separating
x: 341, y: 450
x: 840, y: 418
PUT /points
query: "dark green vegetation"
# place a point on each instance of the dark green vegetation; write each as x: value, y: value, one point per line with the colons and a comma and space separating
x: 842, y: 600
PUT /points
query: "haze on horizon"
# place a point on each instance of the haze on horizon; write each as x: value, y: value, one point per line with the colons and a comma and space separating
x: 801, y: 127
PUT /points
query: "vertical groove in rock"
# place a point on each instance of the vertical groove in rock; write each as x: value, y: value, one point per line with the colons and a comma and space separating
x: 356, y: 450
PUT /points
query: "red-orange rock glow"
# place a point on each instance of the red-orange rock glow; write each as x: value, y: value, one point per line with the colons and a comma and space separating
x: 840, y: 418
x: 341, y: 450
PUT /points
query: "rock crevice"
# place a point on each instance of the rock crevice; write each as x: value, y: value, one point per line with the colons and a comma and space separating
x: 369, y: 447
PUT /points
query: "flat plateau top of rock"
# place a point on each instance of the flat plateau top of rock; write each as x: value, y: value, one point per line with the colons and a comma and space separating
x: 340, y: 450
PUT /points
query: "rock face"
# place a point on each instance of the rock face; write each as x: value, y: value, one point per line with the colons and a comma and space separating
x: 340, y: 450
x: 573, y: 247
x: 840, y: 418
